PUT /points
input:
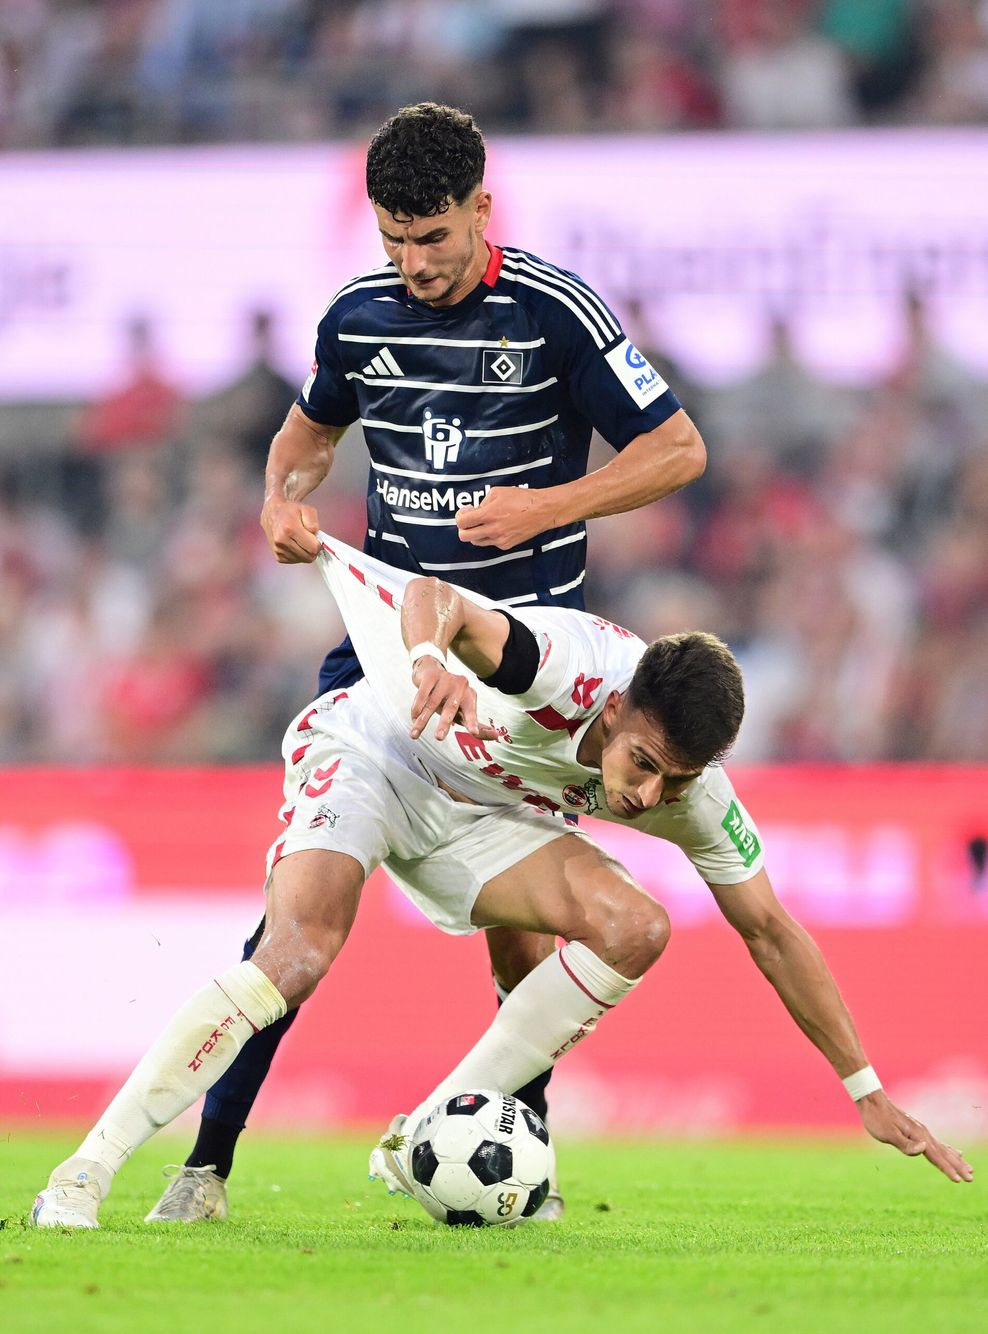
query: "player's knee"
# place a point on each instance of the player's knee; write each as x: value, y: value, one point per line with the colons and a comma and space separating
x: 632, y: 939
x: 297, y: 966
x: 654, y: 934
x: 302, y: 978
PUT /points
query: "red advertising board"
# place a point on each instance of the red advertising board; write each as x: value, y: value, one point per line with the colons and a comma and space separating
x: 124, y: 890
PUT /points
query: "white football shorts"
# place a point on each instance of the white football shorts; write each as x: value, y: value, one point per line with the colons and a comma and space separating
x: 353, y: 784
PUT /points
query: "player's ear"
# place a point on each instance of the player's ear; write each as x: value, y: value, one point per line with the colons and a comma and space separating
x: 482, y: 210
x: 612, y: 707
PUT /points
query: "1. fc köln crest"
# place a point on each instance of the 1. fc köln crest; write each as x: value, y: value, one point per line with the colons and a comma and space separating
x: 582, y: 797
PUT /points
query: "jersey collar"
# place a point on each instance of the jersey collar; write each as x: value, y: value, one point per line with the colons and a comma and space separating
x: 493, y: 270
x: 474, y: 298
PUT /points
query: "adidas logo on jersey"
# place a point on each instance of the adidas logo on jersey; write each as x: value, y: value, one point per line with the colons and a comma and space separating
x: 383, y: 364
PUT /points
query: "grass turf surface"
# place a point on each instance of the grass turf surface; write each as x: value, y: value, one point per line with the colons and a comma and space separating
x: 686, y: 1237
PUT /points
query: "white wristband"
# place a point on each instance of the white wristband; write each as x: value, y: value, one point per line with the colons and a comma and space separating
x: 862, y: 1082
x: 427, y: 650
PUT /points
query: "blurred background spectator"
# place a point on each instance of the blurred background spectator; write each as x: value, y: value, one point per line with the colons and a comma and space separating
x: 178, y: 71
x: 249, y: 409
x: 839, y: 539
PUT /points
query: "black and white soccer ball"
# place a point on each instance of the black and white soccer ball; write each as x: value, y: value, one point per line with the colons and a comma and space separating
x: 481, y: 1159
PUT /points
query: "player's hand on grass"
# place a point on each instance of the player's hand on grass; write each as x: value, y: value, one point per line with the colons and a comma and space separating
x: 291, y: 529
x: 447, y: 697
x: 506, y: 517
x: 891, y: 1125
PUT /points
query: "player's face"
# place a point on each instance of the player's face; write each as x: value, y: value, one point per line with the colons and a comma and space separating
x: 638, y: 766
x: 441, y: 258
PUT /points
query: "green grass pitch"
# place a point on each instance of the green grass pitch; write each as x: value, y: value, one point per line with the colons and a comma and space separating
x: 796, y: 1236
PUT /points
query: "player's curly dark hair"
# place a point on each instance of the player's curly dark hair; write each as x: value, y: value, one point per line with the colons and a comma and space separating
x: 423, y: 158
x: 691, y: 685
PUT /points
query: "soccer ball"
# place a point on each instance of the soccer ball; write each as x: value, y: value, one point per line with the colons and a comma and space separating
x: 481, y: 1159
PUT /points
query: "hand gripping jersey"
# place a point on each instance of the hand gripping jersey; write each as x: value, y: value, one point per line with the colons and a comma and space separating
x: 502, y: 389
x: 534, y: 758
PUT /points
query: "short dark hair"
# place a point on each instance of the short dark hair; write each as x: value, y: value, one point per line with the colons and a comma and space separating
x: 424, y: 157
x: 691, y: 686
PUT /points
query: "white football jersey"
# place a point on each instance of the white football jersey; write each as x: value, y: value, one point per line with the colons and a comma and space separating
x: 534, y: 758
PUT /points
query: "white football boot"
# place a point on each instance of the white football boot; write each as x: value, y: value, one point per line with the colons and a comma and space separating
x: 193, y: 1195
x: 389, y: 1160
x: 71, y: 1198
x: 551, y: 1208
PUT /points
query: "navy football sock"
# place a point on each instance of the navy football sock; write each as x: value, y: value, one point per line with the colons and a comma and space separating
x: 229, y: 1101
x: 214, y: 1147
x: 533, y: 1094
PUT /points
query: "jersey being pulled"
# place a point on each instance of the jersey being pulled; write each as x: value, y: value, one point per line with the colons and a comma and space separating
x: 535, y: 756
x: 502, y: 389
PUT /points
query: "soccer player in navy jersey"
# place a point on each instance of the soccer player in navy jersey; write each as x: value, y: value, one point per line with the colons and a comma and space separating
x: 478, y: 374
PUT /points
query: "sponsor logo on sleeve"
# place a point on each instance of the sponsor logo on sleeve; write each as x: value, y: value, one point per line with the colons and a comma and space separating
x: 310, y: 381
x: 743, y: 838
x: 639, y: 377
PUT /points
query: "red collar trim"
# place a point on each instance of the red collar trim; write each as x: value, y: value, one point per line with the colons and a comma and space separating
x: 492, y: 271
x: 494, y: 267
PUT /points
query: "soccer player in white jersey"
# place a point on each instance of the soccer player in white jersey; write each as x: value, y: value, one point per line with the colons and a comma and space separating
x: 462, y: 808
x: 477, y: 373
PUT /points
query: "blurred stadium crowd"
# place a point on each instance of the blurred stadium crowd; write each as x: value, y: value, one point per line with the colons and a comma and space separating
x: 839, y: 540
x: 180, y: 71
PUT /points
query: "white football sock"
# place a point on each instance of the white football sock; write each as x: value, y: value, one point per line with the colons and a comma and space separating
x: 200, y: 1043
x: 547, y: 1014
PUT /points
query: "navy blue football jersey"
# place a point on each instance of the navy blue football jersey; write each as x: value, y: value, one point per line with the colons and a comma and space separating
x: 502, y: 389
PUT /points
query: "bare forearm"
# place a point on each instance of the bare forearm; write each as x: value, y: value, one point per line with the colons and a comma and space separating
x: 300, y: 457
x: 649, y: 468
x: 796, y: 968
x: 433, y: 612
x: 792, y: 962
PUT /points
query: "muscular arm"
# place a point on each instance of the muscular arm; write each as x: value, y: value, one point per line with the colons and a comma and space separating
x: 790, y: 959
x: 653, y: 465
x: 300, y: 458
x: 433, y: 612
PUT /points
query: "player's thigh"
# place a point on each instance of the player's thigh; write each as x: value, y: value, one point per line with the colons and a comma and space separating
x: 570, y: 887
x: 341, y: 817
x: 313, y: 893
x: 514, y: 953
x: 471, y: 846
x: 312, y: 900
